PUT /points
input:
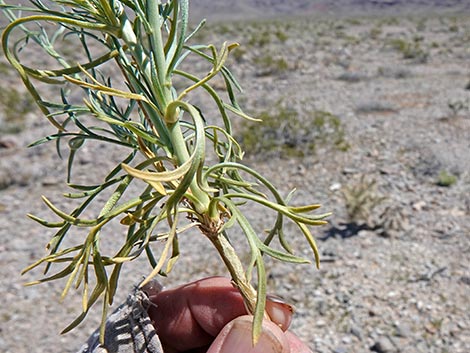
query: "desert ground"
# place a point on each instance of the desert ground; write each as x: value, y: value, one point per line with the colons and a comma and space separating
x: 367, y: 114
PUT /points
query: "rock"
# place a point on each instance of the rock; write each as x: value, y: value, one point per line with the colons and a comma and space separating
x: 342, y: 297
x: 364, y: 233
x: 340, y: 350
x: 419, y: 205
x: 384, y: 345
x: 356, y: 331
x: 348, y: 171
x: 335, y: 187
x: 403, y: 330
x: 465, y: 280
x: 322, y: 307
x: 7, y: 144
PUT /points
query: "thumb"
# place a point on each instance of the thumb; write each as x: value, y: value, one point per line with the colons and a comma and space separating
x: 236, y: 337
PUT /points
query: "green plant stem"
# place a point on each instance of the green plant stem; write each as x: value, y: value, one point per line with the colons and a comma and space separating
x: 180, y: 150
x: 235, y: 267
x: 162, y: 95
x: 157, y: 47
x: 181, y: 153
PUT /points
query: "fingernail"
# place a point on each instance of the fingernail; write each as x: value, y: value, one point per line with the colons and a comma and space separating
x: 239, y: 340
x: 279, y: 311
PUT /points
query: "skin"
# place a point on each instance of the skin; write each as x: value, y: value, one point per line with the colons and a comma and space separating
x: 209, y: 316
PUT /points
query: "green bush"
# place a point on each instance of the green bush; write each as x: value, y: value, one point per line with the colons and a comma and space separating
x: 14, y: 106
x: 410, y: 49
x: 446, y: 179
x: 287, y: 133
x: 270, y: 65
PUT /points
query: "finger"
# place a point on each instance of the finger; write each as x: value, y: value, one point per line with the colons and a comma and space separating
x: 236, y: 337
x: 295, y: 344
x: 214, y: 302
x: 190, y: 316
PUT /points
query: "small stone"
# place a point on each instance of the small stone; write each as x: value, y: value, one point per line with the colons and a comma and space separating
x: 419, y: 206
x: 403, y: 330
x: 342, y: 298
x: 419, y: 305
x: 49, y: 181
x: 364, y: 233
x: 347, y: 171
x: 465, y: 280
x: 356, y: 331
x: 335, y: 187
x: 85, y: 159
x: 385, y: 171
x: 322, y: 307
x: 7, y: 144
x: 430, y: 328
x: 383, y: 345
x: 357, y: 255
x: 301, y: 170
x: 340, y: 350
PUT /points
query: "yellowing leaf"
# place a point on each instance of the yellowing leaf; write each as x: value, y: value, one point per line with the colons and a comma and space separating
x: 158, y: 186
x: 159, y: 177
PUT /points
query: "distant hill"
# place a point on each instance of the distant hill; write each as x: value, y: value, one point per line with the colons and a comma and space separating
x: 251, y: 9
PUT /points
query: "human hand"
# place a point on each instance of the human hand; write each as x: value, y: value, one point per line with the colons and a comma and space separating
x: 209, y: 316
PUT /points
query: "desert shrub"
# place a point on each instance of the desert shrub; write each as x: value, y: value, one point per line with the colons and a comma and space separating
x: 454, y: 28
x: 270, y: 65
x: 224, y: 29
x: 394, y: 72
x: 458, y: 106
x: 287, y: 133
x: 391, y: 21
x: 354, y: 21
x: 266, y: 35
x: 4, y: 68
x: 361, y: 199
x: 421, y: 25
x: 392, y: 221
x: 350, y: 39
x: 374, y: 106
x: 352, y: 77
x: 410, y: 49
x: 14, y: 106
x: 239, y: 54
x: 375, y: 32
x: 446, y: 179
x: 281, y: 36
x: 259, y: 39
